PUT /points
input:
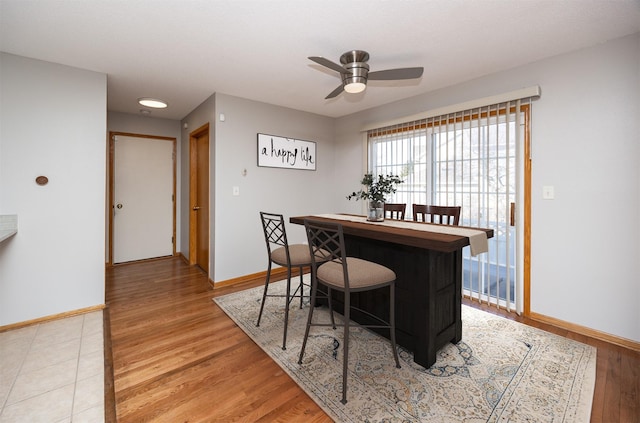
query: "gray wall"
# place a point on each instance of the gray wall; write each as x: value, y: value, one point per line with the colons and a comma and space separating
x: 52, y: 123
x: 586, y: 143
x: 238, y: 245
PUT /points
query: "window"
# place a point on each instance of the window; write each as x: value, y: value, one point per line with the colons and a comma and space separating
x: 468, y: 159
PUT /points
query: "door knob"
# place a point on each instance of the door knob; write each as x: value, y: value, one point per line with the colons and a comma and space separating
x: 119, y: 206
x: 196, y: 208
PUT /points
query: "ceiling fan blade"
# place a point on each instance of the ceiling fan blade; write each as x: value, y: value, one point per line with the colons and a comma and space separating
x: 400, y: 73
x: 329, y: 64
x: 335, y: 92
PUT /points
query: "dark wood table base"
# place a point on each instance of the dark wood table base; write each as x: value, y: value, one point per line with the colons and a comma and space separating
x: 428, y: 295
x: 428, y: 269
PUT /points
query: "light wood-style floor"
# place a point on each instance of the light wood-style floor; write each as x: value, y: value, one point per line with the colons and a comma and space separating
x: 177, y: 357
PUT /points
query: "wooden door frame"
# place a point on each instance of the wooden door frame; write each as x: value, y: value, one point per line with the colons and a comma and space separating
x: 526, y: 303
x: 193, y: 177
x: 111, y: 184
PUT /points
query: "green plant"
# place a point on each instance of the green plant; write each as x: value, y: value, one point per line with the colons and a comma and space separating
x: 377, y: 188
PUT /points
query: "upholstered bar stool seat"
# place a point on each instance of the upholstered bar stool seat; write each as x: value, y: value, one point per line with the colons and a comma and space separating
x: 298, y: 255
x: 362, y: 274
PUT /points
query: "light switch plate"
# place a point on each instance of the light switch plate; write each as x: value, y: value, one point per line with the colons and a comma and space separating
x: 548, y: 192
x: 236, y: 191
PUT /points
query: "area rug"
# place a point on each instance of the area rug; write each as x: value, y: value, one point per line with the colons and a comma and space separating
x: 501, y: 371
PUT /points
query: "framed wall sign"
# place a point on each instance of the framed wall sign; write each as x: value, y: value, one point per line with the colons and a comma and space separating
x: 274, y: 151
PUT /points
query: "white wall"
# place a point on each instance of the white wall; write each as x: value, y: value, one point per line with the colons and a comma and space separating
x: 143, y: 125
x: 238, y: 243
x: 52, y: 123
x: 586, y: 143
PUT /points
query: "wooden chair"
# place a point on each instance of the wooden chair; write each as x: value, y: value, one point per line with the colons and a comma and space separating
x: 396, y: 210
x: 290, y: 256
x: 445, y: 215
x: 347, y: 275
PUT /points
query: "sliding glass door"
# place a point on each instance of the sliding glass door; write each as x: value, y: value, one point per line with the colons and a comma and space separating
x: 471, y: 159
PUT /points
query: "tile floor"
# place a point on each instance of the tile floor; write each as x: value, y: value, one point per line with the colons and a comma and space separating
x: 53, y: 372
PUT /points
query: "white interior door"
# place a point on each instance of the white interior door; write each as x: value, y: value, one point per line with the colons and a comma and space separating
x: 143, y: 198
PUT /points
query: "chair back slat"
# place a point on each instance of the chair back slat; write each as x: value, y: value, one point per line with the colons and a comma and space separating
x: 444, y: 215
x: 396, y: 210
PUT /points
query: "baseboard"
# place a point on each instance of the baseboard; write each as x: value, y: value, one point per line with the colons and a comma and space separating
x: 276, y: 275
x: 51, y: 318
x: 583, y: 330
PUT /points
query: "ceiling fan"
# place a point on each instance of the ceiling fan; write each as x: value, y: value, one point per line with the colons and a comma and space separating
x: 355, y: 72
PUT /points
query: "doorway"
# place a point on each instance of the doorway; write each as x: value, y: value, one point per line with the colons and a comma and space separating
x: 142, y: 184
x: 199, y: 198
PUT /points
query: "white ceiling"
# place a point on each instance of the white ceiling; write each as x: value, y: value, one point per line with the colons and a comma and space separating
x: 183, y: 51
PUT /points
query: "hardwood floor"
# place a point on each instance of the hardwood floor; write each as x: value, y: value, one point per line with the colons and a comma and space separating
x: 176, y: 356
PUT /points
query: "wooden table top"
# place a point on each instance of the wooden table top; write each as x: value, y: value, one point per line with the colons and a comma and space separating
x: 404, y: 236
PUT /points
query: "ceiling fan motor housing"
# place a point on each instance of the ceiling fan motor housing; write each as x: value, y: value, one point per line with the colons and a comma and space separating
x: 359, y: 72
x: 354, y: 56
x: 354, y: 62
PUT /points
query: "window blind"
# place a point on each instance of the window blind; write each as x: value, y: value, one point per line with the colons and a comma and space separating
x: 470, y: 158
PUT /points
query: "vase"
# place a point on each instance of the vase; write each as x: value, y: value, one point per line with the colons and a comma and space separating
x: 375, y: 213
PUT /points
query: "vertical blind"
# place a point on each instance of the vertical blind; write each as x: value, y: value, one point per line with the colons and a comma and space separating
x: 473, y: 159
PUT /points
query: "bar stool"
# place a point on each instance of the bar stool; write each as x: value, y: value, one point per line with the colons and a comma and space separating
x: 347, y: 275
x: 290, y: 256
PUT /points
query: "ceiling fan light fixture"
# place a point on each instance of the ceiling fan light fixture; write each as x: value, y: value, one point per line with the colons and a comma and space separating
x: 152, y: 102
x: 354, y: 84
x: 355, y: 87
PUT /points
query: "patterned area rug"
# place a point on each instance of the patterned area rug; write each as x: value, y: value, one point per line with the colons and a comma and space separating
x: 501, y: 371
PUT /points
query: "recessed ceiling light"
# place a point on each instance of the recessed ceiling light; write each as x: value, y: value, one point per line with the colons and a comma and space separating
x: 152, y: 102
